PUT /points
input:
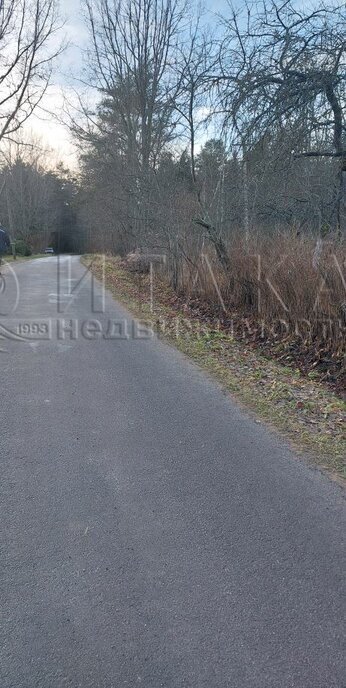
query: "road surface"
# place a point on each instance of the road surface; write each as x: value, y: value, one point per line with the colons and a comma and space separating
x: 152, y: 533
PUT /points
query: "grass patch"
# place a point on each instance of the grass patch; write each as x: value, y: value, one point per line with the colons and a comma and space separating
x: 303, y: 409
x: 19, y: 259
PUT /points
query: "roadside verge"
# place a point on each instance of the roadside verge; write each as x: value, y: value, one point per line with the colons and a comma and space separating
x: 304, y: 410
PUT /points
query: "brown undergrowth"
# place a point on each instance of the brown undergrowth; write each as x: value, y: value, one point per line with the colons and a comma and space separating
x: 283, y: 294
x: 294, y: 400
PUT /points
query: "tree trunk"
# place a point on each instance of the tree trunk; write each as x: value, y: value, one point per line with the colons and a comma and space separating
x: 218, y: 243
x: 338, y: 145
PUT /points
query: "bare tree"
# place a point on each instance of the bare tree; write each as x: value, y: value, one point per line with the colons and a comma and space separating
x: 195, y: 64
x: 281, y: 62
x: 38, y: 199
x: 131, y: 56
x: 27, y: 29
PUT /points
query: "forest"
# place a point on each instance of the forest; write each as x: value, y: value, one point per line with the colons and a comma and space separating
x: 216, y: 142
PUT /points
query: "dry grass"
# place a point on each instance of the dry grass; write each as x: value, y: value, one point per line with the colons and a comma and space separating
x: 287, y: 294
x: 11, y: 259
x: 304, y: 409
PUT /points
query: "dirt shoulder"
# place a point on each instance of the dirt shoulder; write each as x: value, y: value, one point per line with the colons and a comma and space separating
x: 20, y: 259
x: 306, y: 411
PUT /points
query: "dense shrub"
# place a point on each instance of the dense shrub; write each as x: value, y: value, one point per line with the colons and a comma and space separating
x: 22, y: 248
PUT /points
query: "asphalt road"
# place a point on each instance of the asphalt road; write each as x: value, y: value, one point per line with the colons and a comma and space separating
x: 151, y: 533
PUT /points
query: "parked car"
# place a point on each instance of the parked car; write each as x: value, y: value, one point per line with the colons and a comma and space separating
x: 49, y: 250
